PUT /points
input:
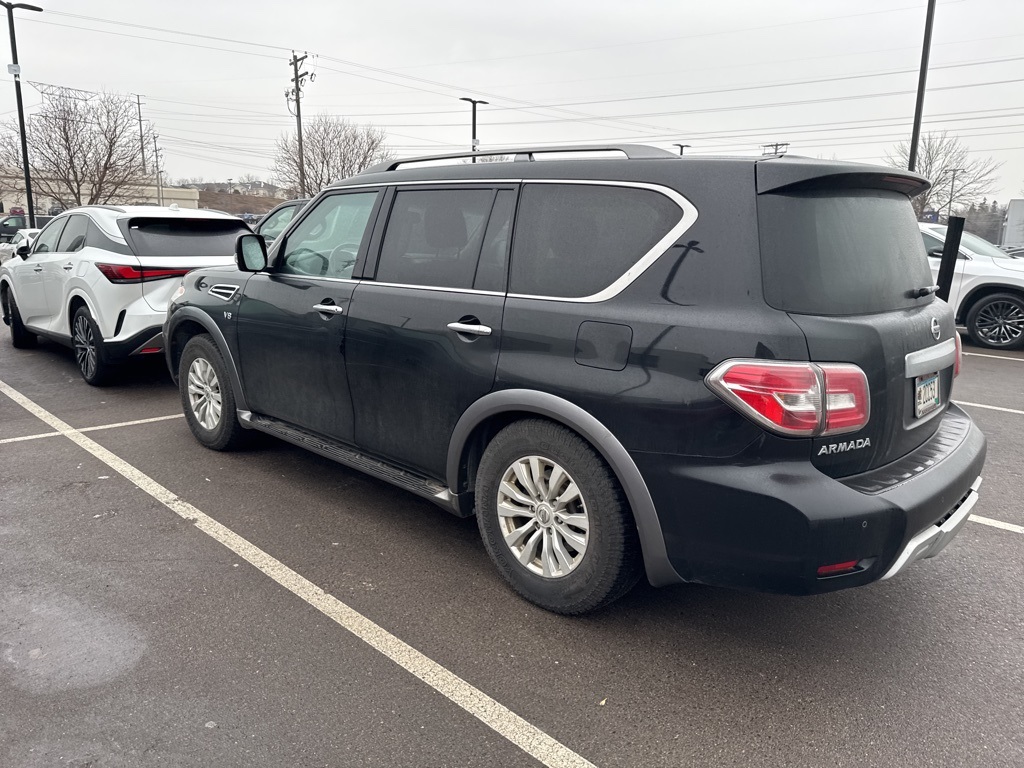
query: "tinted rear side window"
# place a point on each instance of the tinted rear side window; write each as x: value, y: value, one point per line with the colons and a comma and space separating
x: 575, y: 240
x: 75, y: 234
x: 201, y: 238
x: 846, y: 252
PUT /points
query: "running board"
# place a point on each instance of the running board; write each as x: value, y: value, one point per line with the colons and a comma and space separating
x: 343, y: 454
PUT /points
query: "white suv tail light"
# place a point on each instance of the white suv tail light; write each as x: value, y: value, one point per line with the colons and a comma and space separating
x: 795, y: 399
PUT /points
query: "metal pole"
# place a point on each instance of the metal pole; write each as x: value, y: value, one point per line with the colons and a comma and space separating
x: 921, y: 81
x: 156, y: 168
x: 949, y: 209
x: 142, y: 141
x: 681, y: 148
x: 298, y: 121
x: 15, y: 70
x: 473, y: 102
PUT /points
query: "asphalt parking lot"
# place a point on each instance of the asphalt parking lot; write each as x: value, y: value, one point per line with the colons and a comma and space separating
x: 161, y: 604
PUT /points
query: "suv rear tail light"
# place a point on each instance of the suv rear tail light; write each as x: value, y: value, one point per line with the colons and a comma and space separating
x: 125, y: 273
x: 959, y: 354
x: 795, y: 399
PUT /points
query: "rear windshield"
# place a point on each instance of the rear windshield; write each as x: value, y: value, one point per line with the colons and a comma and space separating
x: 201, y: 238
x: 846, y: 252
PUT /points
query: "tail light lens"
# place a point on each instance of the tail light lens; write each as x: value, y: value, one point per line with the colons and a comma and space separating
x: 959, y: 354
x: 795, y: 399
x: 125, y: 273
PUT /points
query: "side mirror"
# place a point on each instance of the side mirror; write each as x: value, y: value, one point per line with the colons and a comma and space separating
x: 935, y: 253
x: 251, y: 253
x: 24, y: 250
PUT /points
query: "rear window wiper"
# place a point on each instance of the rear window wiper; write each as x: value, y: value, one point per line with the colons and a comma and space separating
x: 918, y: 293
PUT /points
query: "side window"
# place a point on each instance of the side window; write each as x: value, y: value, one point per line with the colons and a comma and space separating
x: 16, y: 222
x: 931, y: 242
x: 326, y: 242
x: 434, y: 236
x: 575, y: 240
x: 47, y: 240
x: 74, y: 236
x: 274, y: 225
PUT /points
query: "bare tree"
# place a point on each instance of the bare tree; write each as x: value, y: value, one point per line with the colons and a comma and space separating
x: 334, y: 149
x: 938, y: 155
x: 81, y: 151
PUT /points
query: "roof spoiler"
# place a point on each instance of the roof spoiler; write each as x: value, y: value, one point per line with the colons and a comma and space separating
x: 777, y: 174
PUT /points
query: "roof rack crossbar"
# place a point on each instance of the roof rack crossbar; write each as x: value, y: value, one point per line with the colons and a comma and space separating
x: 527, y: 154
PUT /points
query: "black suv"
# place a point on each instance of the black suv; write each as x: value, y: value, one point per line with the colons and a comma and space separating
x: 730, y: 371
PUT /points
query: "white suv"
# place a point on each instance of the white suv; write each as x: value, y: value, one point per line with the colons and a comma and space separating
x: 987, y: 291
x: 98, y: 278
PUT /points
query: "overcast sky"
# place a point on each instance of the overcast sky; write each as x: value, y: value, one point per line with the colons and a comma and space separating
x: 832, y: 78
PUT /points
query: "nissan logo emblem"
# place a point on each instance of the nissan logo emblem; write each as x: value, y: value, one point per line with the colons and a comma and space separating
x: 936, y: 328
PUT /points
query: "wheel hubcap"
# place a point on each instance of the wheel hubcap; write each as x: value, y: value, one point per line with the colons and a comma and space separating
x: 85, y: 346
x: 1001, y: 322
x: 543, y: 516
x: 204, y: 393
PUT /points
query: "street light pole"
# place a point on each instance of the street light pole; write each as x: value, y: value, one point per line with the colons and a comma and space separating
x: 15, y: 69
x: 681, y: 148
x: 921, y: 81
x: 474, y: 102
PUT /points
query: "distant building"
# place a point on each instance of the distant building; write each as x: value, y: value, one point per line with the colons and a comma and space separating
x: 12, y: 194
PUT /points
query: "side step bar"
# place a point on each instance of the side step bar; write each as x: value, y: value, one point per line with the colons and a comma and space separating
x: 343, y: 454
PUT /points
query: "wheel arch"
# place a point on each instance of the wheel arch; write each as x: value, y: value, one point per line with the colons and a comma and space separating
x: 187, y: 322
x: 979, y: 292
x: 488, y: 415
x: 78, y: 298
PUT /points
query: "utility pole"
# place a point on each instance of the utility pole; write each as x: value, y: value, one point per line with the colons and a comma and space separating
x: 776, y: 146
x: 15, y: 70
x: 142, y: 140
x: 474, y: 102
x: 952, y: 181
x: 156, y: 167
x: 295, y: 94
x: 681, y: 148
x: 921, y: 81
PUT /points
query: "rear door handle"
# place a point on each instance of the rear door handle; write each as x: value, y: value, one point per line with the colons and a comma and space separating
x: 37, y: 269
x: 329, y: 309
x: 68, y: 267
x: 475, y: 330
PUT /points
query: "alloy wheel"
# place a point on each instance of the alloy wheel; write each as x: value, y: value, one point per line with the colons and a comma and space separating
x: 543, y: 516
x: 204, y: 396
x: 1000, y: 322
x: 85, y: 346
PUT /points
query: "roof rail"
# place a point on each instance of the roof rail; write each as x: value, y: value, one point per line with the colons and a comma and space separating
x: 115, y: 208
x: 631, y: 151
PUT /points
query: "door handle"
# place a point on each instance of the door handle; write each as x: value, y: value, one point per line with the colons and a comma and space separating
x: 68, y: 267
x: 37, y: 269
x: 474, y: 330
x: 329, y: 309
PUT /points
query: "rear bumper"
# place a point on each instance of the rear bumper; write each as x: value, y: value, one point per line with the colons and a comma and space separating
x: 146, y: 341
x: 770, y: 526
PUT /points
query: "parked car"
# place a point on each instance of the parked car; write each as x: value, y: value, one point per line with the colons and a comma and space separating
x: 22, y: 237
x: 987, y: 291
x: 725, y: 371
x: 98, y: 278
x: 274, y: 223
x: 9, y: 225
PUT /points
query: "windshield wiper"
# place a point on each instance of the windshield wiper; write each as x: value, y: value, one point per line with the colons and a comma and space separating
x: 918, y: 293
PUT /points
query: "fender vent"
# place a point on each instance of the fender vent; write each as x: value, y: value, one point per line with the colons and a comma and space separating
x: 224, y: 291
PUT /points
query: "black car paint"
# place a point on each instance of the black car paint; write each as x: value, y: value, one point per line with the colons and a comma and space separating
x: 717, y: 499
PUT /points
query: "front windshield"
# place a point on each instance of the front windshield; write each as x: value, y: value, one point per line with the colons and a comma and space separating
x: 976, y: 244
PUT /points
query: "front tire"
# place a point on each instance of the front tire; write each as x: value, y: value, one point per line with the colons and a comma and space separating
x: 21, y: 337
x: 90, y: 355
x: 554, y: 519
x: 207, y: 397
x: 997, y: 321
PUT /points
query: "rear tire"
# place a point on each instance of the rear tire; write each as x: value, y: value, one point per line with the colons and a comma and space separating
x: 997, y: 321
x: 207, y: 397
x: 90, y: 355
x: 21, y: 337
x: 555, y: 520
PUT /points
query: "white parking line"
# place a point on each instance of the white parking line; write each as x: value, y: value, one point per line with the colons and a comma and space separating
x: 504, y: 721
x: 994, y: 357
x: 989, y: 407
x: 998, y: 524
x: 94, y: 429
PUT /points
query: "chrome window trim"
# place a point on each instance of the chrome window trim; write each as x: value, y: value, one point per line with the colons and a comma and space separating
x: 687, y: 220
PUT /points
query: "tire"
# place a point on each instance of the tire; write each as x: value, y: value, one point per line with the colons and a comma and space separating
x: 90, y: 356
x: 578, y: 578
x: 997, y: 321
x: 207, y: 397
x: 21, y: 337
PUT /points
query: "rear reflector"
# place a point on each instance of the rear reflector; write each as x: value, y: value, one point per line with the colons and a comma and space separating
x: 795, y: 399
x: 150, y: 350
x: 125, y: 273
x: 837, y: 568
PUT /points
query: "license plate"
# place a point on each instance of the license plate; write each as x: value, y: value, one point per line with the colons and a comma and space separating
x: 926, y: 394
